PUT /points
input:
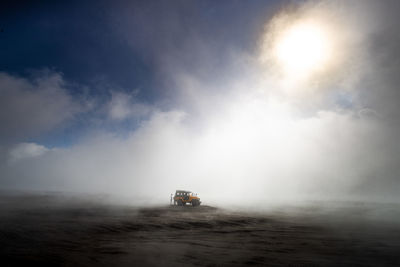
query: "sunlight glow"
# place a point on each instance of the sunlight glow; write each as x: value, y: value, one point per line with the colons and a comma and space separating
x: 302, y: 49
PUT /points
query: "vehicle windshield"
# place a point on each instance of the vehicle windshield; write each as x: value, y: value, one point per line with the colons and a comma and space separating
x: 183, y: 193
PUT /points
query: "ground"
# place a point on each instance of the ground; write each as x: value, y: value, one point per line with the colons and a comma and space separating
x: 47, y: 230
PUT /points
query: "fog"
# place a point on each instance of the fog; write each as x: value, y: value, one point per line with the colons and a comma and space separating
x: 229, y: 125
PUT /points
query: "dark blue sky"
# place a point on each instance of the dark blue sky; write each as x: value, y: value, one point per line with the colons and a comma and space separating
x: 72, y: 38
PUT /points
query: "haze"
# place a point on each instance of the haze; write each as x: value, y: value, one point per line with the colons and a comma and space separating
x: 139, y: 99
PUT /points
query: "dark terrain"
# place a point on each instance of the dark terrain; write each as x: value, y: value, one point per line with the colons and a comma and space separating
x: 49, y: 230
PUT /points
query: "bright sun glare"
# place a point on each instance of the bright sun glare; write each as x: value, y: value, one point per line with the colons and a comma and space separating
x: 302, y: 49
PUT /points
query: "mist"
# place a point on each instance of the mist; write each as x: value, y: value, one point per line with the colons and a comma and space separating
x: 229, y: 125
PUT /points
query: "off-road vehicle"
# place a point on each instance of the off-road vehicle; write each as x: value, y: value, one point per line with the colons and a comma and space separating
x: 182, y: 197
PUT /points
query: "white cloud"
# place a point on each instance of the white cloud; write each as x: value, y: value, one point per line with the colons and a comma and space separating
x: 26, y: 150
x: 255, y: 152
x: 124, y: 106
x: 32, y: 107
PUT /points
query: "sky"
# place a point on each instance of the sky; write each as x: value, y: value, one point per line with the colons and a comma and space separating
x: 240, y: 101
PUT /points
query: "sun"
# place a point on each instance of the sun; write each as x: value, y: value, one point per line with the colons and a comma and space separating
x: 302, y: 49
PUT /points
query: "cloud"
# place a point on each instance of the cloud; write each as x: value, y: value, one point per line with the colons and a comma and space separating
x: 26, y: 150
x: 124, y: 106
x: 29, y: 107
x: 241, y: 152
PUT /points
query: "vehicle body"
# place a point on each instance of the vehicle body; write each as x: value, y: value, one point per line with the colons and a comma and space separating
x: 182, y: 197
